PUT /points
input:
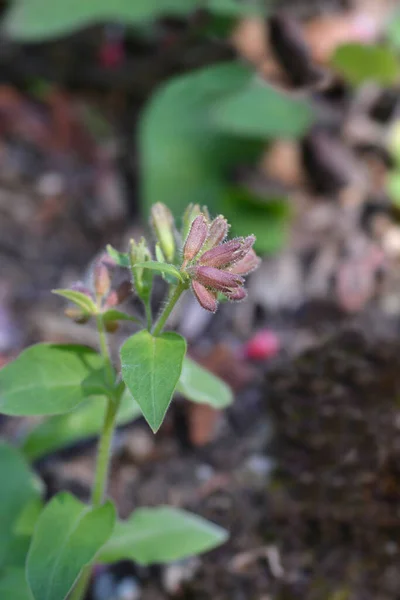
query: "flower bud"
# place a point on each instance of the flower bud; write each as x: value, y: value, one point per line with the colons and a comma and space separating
x: 139, y: 253
x: 205, y: 297
x: 196, y: 238
x: 101, y: 279
x: 119, y: 295
x: 247, y: 264
x: 163, y: 224
x: 191, y: 212
x: 217, y: 279
x: 77, y: 315
x: 237, y: 294
x: 217, y: 233
x: 221, y: 256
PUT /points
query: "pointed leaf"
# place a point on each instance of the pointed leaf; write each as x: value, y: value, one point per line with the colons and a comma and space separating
x: 84, y: 422
x: 164, y: 268
x: 13, y: 585
x: 161, y: 535
x: 151, y: 367
x: 67, y: 537
x: 118, y: 315
x: 202, y: 386
x: 81, y: 300
x: 48, y: 379
x: 120, y: 258
x: 19, y: 489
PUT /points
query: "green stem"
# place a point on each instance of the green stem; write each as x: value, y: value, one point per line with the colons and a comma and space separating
x: 103, y: 451
x: 149, y: 316
x: 176, y: 294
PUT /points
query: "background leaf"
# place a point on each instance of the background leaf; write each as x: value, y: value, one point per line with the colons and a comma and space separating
x: 13, y: 585
x: 37, y: 20
x: 184, y: 157
x: 151, y: 367
x: 18, y: 490
x: 160, y: 535
x: 267, y: 218
x: 48, y: 379
x: 67, y: 537
x: 200, y: 385
x: 359, y: 63
x: 83, y: 422
x: 260, y: 111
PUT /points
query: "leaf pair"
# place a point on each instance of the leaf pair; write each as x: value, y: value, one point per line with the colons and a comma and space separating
x: 152, y: 535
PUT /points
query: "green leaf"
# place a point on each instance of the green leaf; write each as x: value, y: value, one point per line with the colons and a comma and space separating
x: 67, y: 537
x: 199, y: 385
x: 120, y: 258
x: 81, y: 300
x: 164, y: 268
x: 37, y: 20
x: 260, y: 111
x: 267, y: 218
x: 359, y: 63
x: 117, y: 315
x: 49, y: 379
x: 151, y: 367
x: 18, y: 490
x: 13, y: 585
x: 27, y: 519
x: 393, y: 30
x: 84, y: 422
x: 161, y: 535
x: 184, y: 157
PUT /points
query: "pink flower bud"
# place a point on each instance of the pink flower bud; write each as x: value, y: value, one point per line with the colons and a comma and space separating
x: 217, y: 279
x: 218, y: 231
x: 221, y: 256
x: 196, y: 238
x: 119, y: 295
x: 206, y: 298
x: 247, y: 264
x: 237, y: 294
x: 101, y: 279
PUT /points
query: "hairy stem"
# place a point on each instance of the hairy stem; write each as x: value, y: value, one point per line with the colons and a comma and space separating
x: 103, y: 451
x: 173, y: 299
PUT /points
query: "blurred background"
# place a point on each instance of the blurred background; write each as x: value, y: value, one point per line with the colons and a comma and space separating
x: 285, y: 117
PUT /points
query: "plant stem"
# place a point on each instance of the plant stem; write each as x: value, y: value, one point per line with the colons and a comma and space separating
x: 176, y: 294
x: 149, y: 316
x: 103, y: 451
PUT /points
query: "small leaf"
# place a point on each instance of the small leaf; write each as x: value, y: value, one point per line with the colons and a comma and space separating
x: 359, y: 63
x: 199, y: 385
x: 84, y: 422
x: 81, y: 300
x: 120, y: 258
x: 13, y: 585
x: 151, y: 367
x: 260, y: 111
x: 161, y: 535
x: 19, y: 490
x: 67, y: 537
x: 164, y: 268
x: 49, y: 379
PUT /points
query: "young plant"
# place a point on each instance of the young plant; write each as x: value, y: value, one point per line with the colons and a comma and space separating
x: 47, y: 551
